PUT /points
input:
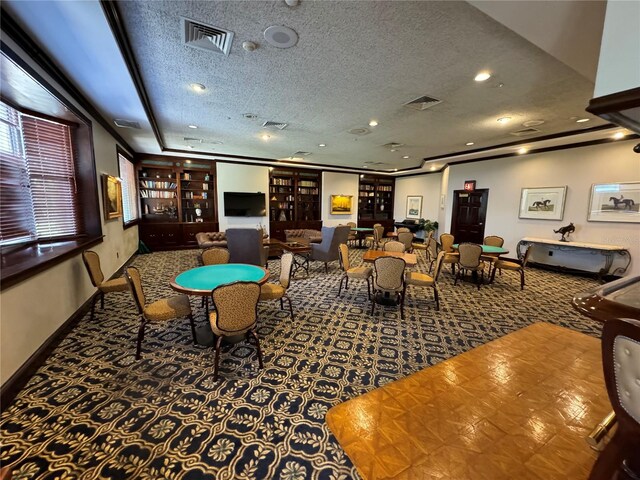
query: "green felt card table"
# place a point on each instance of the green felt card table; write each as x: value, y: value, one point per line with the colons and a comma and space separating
x: 201, y: 280
x: 361, y: 233
x: 488, y: 250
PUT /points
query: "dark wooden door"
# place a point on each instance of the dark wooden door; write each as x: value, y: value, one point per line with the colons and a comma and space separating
x: 469, y: 214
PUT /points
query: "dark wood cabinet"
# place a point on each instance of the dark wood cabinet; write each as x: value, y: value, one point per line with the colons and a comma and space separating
x: 177, y: 200
x: 294, y: 200
x: 375, y: 201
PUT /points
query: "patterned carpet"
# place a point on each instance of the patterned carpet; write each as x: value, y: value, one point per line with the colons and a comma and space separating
x: 93, y: 411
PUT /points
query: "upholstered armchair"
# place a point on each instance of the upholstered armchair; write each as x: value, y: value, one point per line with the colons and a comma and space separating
x: 246, y: 246
x: 327, y: 250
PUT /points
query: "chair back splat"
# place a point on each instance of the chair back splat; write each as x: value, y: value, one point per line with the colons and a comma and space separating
x: 406, y: 238
x: 439, y: 260
x: 236, y: 306
x: 469, y: 255
x: 389, y: 273
x: 215, y: 256
x: 92, y: 262
x: 493, y: 241
x: 446, y: 242
x: 133, y: 276
x: 344, y: 257
x: 394, y: 246
x: 286, y: 264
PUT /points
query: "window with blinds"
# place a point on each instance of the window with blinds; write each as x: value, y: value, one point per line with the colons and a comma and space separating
x: 37, y: 175
x: 130, y: 209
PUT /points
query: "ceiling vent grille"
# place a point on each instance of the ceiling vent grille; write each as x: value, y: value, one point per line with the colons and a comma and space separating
x: 375, y: 163
x: 524, y: 132
x: 422, y: 103
x: 359, y: 131
x: 392, y: 145
x: 119, y: 122
x: 272, y: 124
x: 206, y: 37
x: 192, y: 139
x: 300, y: 153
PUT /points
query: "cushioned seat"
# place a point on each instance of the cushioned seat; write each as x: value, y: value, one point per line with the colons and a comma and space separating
x: 271, y: 291
x: 278, y: 291
x: 168, y: 308
x: 114, y: 285
x: 512, y: 267
x: 360, y: 272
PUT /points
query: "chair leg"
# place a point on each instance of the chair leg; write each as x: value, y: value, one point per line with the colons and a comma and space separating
x: 326, y: 267
x: 281, y: 304
x: 193, y: 329
x: 255, y: 335
x: 435, y: 296
x: 340, y: 287
x: 522, y: 279
x: 455, y: 280
x: 290, y: 305
x: 140, y: 337
x: 102, y: 300
x: 402, y: 303
x: 368, y: 289
x: 93, y: 306
x: 493, y: 275
x: 346, y: 282
x: 217, y: 359
x: 373, y: 302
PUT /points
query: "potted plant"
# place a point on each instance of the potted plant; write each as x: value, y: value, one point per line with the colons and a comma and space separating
x: 425, y: 226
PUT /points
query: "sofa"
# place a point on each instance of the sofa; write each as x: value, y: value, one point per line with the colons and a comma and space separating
x: 211, y: 239
x: 303, y: 235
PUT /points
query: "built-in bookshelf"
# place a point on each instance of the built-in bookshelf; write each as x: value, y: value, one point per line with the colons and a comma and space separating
x: 375, y: 200
x: 158, y: 194
x: 196, y: 194
x: 294, y: 200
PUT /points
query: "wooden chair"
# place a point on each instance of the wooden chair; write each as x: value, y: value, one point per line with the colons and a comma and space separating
x: 469, y: 260
x: 162, y: 310
x: 393, y: 246
x: 213, y: 256
x: 620, y: 354
x: 446, y: 245
x: 354, y: 273
x: 92, y: 263
x: 278, y: 291
x: 389, y: 279
x: 236, y: 313
x: 406, y: 238
x: 423, y: 280
x: 512, y: 266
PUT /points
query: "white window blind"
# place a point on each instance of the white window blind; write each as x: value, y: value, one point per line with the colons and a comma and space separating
x: 130, y: 209
x: 39, y: 193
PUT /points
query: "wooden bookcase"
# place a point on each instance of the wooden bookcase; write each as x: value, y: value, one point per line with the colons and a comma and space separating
x: 294, y: 200
x: 375, y: 201
x: 172, y: 192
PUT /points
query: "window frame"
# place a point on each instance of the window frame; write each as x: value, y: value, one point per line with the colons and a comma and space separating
x: 21, y: 261
x: 128, y: 157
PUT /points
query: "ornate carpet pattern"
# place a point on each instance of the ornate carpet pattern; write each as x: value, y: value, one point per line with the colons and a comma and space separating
x: 93, y: 411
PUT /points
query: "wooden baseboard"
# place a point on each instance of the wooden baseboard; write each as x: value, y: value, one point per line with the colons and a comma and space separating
x: 19, y: 379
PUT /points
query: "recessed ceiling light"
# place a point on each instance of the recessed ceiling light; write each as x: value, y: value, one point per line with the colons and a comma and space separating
x: 322, y: 144
x: 504, y: 119
x: 362, y: 175
x: 265, y: 137
x: 618, y: 135
x: 468, y: 144
x: 271, y: 169
x: 198, y: 87
x: 373, y: 123
x: 405, y: 156
x: 395, y: 169
x: 523, y: 150
x: 433, y: 167
x: 192, y: 126
x: 482, y: 76
x: 393, y: 150
x: 582, y: 120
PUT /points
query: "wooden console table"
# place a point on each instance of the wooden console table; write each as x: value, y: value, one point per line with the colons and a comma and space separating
x: 608, y: 252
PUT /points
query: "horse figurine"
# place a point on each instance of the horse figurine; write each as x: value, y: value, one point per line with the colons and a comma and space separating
x: 565, y: 231
x: 544, y: 205
x: 627, y: 203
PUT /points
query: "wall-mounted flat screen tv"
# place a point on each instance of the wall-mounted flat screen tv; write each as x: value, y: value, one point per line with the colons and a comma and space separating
x: 244, y: 204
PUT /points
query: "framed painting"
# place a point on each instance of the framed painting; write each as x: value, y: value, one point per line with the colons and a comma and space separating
x: 615, y: 202
x: 543, y: 203
x: 341, y: 204
x: 414, y: 206
x: 112, y: 197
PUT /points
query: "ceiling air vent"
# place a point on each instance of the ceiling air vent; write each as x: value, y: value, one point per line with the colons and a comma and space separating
x: 126, y: 123
x: 422, y: 103
x: 272, y: 124
x: 524, y: 132
x: 359, y: 131
x: 392, y: 145
x: 192, y: 139
x: 375, y: 163
x: 300, y: 153
x: 206, y: 37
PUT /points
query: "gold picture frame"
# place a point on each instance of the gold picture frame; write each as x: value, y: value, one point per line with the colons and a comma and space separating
x: 111, y: 197
x: 341, y: 204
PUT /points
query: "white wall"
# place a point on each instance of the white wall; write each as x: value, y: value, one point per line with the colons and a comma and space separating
x: 619, y: 63
x: 338, y: 184
x: 241, y: 178
x: 577, y: 168
x: 426, y: 185
x: 32, y: 310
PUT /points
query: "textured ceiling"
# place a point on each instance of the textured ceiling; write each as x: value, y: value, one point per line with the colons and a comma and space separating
x: 354, y: 61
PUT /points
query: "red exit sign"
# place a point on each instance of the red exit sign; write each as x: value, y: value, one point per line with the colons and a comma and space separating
x: 469, y: 185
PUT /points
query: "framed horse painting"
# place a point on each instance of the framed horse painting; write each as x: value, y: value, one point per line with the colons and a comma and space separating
x: 615, y: 202
x: 543, y: 203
